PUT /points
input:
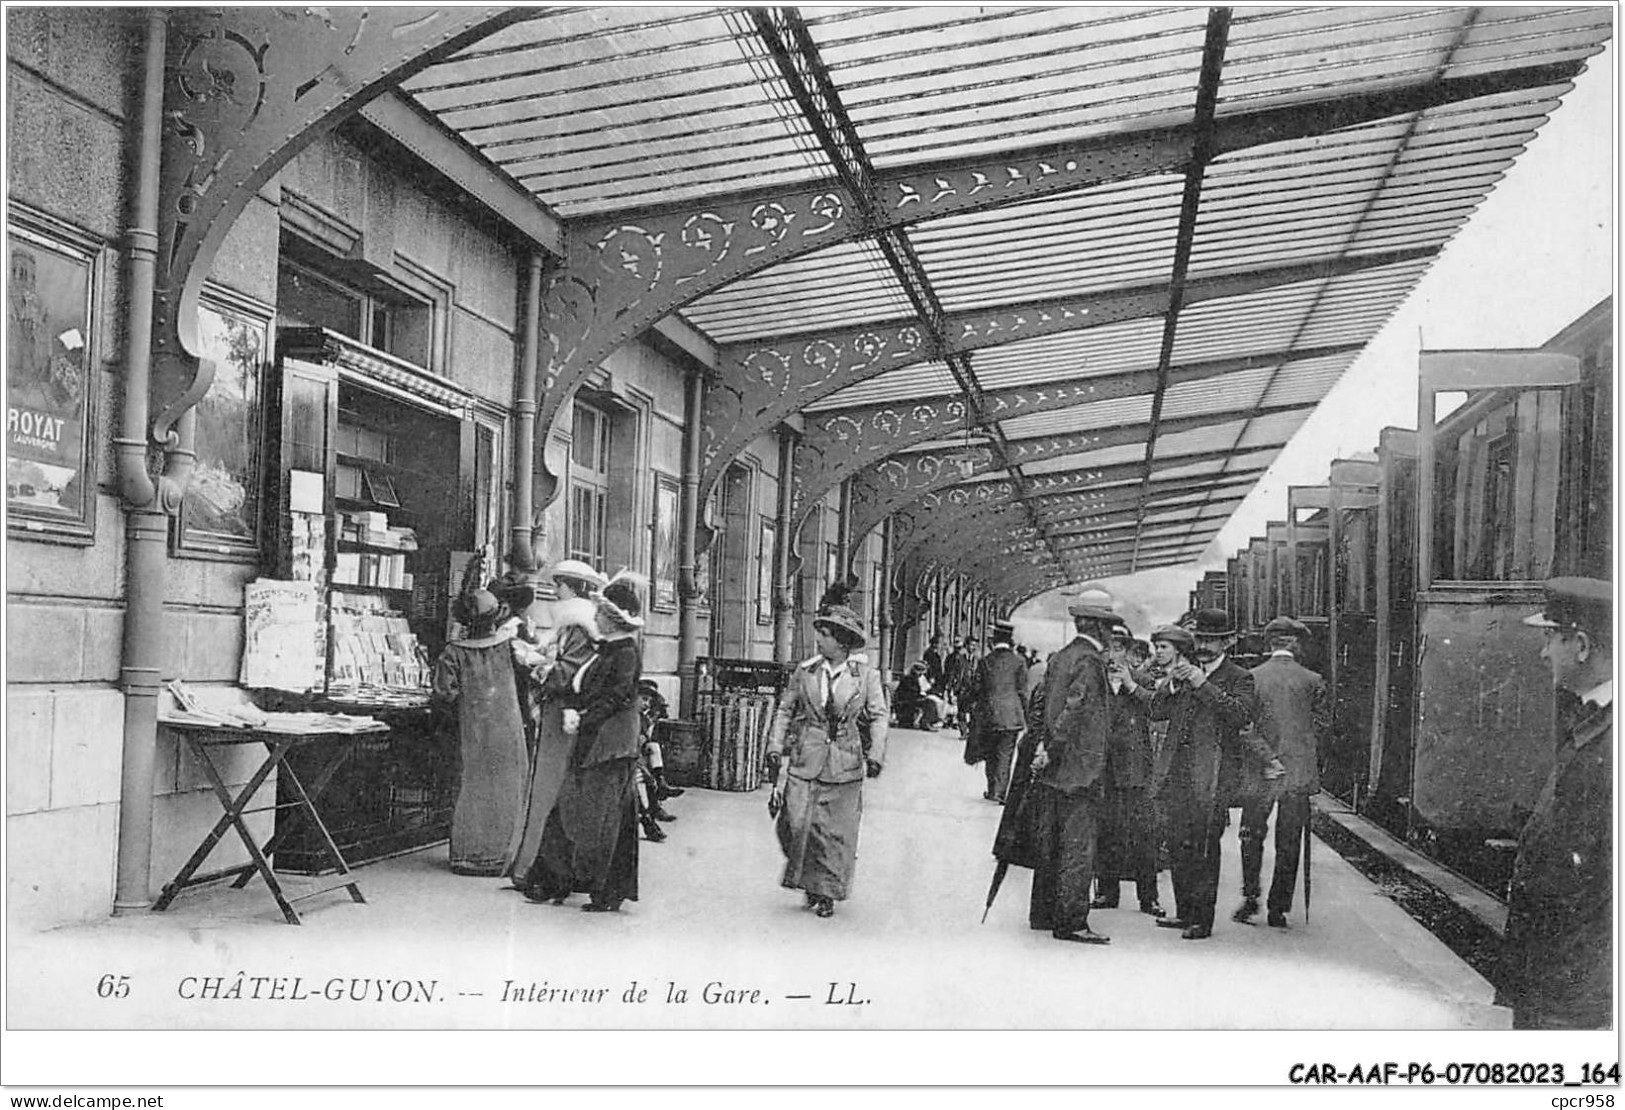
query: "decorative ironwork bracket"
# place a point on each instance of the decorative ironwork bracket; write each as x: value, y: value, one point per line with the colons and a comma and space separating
x: 245, y: 90
x: 841, y: 443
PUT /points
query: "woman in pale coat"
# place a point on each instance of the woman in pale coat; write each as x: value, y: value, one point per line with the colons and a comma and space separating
x: 828, y: 733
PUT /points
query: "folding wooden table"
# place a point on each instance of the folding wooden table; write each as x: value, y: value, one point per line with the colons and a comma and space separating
x: 202, y: 741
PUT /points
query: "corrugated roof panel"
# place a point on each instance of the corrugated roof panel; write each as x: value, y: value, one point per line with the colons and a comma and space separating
x: 906, y: 383
x: 965, y: 85
x: 1112, y: 349
x: 834, y: 288
x: 1094, y: 416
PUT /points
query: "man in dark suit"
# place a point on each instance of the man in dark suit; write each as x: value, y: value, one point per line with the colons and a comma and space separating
x: 1000, y: 707
x: 1066, y: 790
x: 1208, y: 703
x: 1295, y: 717
x: 1128, y: 826
x: 1557, y: 960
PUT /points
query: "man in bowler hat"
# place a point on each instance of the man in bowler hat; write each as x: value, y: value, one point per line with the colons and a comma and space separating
x: 1557, y: 958
x: 1295, y: 718
x: 1066, y: 790
x: 1128, y: 820
x: 1000, y: 708
x: 1208, y: 702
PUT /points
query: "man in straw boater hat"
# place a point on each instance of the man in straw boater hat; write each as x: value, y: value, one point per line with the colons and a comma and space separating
x: 1295, y: 720
x: 1064, y: 800
x: 828, y: 734
x: 1208, y: 702
x: 1557, y: 961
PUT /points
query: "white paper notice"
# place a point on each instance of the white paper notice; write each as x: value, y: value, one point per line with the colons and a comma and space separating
x: 304, y: 491
x: 282, y: 636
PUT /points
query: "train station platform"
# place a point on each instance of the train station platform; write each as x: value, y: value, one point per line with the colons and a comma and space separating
x: 907, y: 951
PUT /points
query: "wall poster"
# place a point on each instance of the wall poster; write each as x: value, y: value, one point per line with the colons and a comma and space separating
x: 663, y: 561
x: 221, y: 514
x: 51, y: 356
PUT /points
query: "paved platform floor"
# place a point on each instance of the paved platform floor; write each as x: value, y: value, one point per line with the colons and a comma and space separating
x: 431, y: 950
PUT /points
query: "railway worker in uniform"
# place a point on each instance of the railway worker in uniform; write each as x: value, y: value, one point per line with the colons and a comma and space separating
x: 1000, y: 707
x: 1557, y: 962
x: 1295, y: 718
x: 1065, y: 797
x: 1208, y: 702
x: 1128, y: 825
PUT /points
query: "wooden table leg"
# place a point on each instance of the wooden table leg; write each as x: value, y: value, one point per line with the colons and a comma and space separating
x: 232, y: 816
x: 307, y: 809
x: 279, y: 748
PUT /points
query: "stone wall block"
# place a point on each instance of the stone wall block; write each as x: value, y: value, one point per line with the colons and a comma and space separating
x: 87, y: 747
x: 28, y: 749
x: 215, y: 647
x: 61, y: 866
x: 63, y: 158
x: 104, y: 644
x: 46, y: 643
x: 88, y: 50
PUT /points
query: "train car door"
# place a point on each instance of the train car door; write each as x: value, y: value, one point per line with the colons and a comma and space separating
x: 1394, y: 681
x: 1489, y: 477
x: 1351, y: 614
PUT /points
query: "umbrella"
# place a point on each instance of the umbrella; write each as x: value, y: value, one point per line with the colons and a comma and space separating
x: 1307, y: 841
x: 999, y: 873
x: 1010, y: 844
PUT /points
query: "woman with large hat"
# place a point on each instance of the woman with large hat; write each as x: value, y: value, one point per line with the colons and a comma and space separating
x: 566, y: 647
x: 829, y: 733
x: 590, y: 842
x: 476, y: 676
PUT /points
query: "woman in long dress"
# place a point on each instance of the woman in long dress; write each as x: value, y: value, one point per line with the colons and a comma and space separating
x: 476, y: 675
x: 567, y: 647
x: 831, y: 723
x: 590, y: 842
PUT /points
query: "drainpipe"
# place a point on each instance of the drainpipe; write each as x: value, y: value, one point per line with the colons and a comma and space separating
x: 783, y: 615
x: 521, y: 549
x: 883, y: 649
x: 688, y: 631
x: 146, y: 523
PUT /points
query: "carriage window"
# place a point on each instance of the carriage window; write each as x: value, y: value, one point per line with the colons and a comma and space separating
x: 1495, y: 488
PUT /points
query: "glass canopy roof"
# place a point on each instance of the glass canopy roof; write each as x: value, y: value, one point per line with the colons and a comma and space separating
x: 1236, y: 281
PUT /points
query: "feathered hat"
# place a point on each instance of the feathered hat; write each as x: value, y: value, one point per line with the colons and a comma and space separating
x: 834, y: 613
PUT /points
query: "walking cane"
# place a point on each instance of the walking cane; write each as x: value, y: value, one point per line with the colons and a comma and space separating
x: 1308, y: 839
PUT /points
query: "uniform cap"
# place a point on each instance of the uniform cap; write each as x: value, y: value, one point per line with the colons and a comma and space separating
x: 1573, y: 602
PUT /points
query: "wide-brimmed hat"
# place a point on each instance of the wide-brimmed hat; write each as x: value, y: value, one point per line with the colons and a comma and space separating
x: 841, y: 617
x: 1573, y: 602
x: 1121, y: 631
x: 1212, y: 624
x: 620, y: 609
x: 1175, y: 635
x: 1286, y: 626
x: 1094, y: 603
x: 578, y: 570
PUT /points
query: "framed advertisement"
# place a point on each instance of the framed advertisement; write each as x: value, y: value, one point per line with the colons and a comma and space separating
x: 52, y: 352
x: 663, y: 561
x: 221, y: 517
x: 764, y: 571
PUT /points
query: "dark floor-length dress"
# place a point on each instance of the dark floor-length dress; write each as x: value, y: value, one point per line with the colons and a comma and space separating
x: 590, y: 842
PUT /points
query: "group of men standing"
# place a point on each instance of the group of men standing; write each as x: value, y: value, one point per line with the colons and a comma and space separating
x: 1092, y: 798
